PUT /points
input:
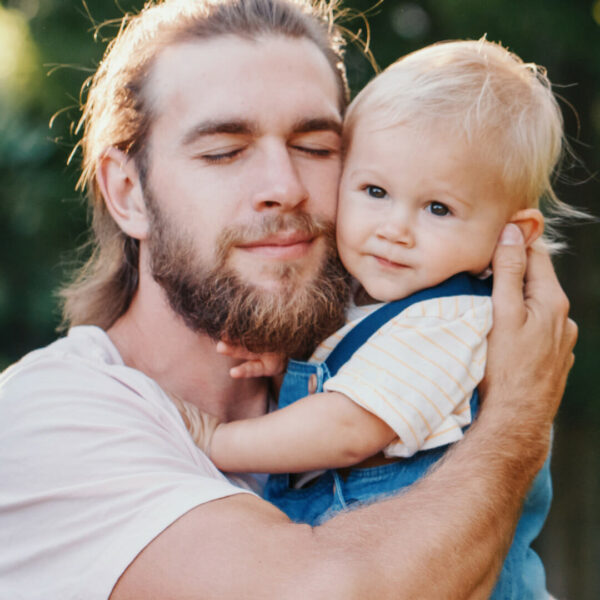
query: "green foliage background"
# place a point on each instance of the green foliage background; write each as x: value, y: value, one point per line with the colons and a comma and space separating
x: 49, y: 47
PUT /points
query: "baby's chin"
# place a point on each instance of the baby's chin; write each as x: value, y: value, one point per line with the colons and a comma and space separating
x: 378, y: 292
x: 375, y: 294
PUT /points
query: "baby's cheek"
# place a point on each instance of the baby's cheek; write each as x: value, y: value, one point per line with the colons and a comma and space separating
x: 481, y: 255
x: 347, y: 255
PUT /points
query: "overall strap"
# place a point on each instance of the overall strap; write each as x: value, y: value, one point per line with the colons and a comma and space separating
x: 457, y: 285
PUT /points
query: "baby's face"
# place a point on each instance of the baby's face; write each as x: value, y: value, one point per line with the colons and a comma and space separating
x: 416, y: 207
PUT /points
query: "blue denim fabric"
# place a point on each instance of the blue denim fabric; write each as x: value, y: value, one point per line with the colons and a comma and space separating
x: 522, y: 576
x: 331, y: 492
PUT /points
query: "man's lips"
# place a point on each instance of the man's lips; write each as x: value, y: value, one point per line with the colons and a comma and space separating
x: 284, y: 245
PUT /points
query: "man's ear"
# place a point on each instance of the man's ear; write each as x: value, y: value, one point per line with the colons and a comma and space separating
x: 121, y: 187
x: 531, y: 223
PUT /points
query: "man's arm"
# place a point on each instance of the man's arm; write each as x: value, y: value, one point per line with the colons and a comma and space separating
x: 444, y: 538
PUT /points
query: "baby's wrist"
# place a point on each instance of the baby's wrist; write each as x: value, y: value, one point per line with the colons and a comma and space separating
x: 212, y: 444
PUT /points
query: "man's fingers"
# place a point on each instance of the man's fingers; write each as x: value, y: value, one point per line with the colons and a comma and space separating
x: 570, y: 334
x: 539, y: 266
x: 542, y: 284
x: 509, y: 265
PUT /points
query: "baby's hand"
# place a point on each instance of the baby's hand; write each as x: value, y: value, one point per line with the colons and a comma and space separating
x: 267, y: 364
x: 200, y: 425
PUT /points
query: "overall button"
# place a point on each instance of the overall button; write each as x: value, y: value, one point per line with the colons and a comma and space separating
x: 312, y: 384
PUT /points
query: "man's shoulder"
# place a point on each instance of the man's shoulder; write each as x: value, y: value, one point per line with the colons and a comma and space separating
x: 81, y: 379
x: 85, y: 358
x: 85, y: 342
x: 97, y: 457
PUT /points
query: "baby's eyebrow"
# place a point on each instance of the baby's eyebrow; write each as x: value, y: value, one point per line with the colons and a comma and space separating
x: 364, y: 172
x: 466, y: 201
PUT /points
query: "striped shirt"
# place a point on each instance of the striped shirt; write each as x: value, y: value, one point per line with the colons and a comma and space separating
x: 418, y: 371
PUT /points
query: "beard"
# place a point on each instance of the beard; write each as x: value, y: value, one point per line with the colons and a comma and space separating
x: 217, y: 301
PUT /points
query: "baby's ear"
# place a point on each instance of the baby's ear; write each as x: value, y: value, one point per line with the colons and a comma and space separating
x: 531, y: 223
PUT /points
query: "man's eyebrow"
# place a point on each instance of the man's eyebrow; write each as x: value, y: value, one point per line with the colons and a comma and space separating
x: 318, y: 124
x: 215, y: 127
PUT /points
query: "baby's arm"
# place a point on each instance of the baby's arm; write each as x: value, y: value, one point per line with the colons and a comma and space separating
x: 409, y: 384
x: 326, y: 430
x: 321, y: 431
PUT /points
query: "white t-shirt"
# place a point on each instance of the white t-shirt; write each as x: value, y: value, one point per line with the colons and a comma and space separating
x: 95, y: 462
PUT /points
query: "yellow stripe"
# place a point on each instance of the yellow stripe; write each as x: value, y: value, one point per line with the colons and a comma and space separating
x: 410, y: 368
x: 466, y: 408
x: 442, y: 432
x: 350, y: 393
x: 426, y: 358
x: 453, y: 335
x: 467, y: 324
x: 446, y: 351
x: 407, y: 384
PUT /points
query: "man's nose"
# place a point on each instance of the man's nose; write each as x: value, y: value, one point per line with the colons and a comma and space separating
x: 279, y: 185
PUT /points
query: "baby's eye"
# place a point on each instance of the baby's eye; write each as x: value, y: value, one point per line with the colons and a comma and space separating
x: 438, y: 209
x: 375, y: 191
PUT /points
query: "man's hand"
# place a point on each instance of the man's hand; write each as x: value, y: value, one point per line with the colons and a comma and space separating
x: 531, y: 343
x: 267, y: 364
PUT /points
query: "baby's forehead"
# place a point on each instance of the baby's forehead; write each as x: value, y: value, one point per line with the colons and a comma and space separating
x: 411, y: 152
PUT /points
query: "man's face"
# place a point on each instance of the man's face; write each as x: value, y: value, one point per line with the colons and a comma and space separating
x: 243, y: 170
x: 246, y: 130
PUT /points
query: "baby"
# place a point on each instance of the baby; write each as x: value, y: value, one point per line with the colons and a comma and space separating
x: 442, y: 150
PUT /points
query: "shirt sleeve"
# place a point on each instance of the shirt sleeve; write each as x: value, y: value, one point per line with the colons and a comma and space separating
x: 95, y: 464
x: 418, y: 372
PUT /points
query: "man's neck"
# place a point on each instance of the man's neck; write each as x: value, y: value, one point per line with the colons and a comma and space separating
x: 151, y: 338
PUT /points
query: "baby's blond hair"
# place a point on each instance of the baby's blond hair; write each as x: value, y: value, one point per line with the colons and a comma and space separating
x: 488, y: 95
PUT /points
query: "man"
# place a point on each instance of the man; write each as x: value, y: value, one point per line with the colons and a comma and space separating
x: 212, y: 154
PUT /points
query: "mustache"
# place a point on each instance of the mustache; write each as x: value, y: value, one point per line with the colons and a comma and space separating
x: 312, y: 226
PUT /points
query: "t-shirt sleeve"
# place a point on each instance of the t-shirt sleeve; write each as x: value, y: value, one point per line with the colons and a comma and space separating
x: 92, y: 470
x: 418, y: 372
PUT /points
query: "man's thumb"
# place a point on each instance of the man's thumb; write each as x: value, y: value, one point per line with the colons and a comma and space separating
x: 509, y: 264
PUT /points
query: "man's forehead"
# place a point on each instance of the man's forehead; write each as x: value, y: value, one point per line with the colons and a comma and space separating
x: 231, y: 77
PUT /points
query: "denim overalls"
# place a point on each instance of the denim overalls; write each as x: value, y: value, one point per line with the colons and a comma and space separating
x: 522, y: 575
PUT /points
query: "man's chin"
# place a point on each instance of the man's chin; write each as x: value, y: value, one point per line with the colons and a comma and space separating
x: 273, y: 275
x: 258, y: 302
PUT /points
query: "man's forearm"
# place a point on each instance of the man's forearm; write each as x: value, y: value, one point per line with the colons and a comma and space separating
x: 447, y: 537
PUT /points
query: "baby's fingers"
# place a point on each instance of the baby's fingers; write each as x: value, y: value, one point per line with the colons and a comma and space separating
x: 250, y: 368
x: 235, y: 351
